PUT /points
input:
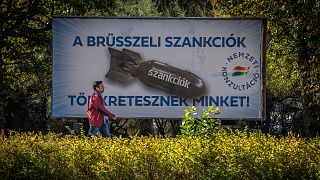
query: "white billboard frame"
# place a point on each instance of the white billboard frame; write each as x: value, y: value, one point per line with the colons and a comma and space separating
x: 262, y: 63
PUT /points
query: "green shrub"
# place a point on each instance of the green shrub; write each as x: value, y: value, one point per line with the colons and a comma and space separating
x: 205, y: 126
x: 237, y: 155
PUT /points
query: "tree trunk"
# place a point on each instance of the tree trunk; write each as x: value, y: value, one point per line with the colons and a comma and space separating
x: 2, y: 98
x: 146, y: 127
x: 161, y: 125
x: 305, y: 76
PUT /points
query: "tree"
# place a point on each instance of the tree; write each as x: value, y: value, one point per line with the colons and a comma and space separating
x: 293, y: 49
x: 24, y: 40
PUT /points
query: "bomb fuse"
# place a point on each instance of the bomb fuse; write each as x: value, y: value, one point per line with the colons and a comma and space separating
x: 126, y: 65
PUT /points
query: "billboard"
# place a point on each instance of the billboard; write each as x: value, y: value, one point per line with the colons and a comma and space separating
x: 157, y: 67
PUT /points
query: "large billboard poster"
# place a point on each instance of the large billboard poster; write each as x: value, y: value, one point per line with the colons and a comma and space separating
x: 157, y: 67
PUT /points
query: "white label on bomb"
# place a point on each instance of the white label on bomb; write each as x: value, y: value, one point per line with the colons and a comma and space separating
x: 183, y: 82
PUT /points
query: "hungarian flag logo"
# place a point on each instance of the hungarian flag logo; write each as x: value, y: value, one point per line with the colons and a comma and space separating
x: 240, y: 70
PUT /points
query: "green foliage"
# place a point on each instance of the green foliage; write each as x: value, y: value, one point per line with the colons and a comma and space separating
x: 282, y: 69
x: 174, y: 9
x: 184, y: 8
x: 135, y: 8
x: 237, y: 155
x: 83, y: 8
x: 25, y: 67
x: 105, y: 8
x: 292, y: 56
x: 205, y: 126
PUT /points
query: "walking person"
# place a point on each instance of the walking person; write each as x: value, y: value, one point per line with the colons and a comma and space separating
x: 98, y: 115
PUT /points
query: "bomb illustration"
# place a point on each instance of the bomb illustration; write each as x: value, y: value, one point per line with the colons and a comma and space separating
x: 127, y: 65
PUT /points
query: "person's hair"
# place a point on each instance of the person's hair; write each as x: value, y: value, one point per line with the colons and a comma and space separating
x: 96, y: 84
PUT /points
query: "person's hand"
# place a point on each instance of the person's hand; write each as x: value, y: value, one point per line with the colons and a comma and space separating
x: 112, y: 117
